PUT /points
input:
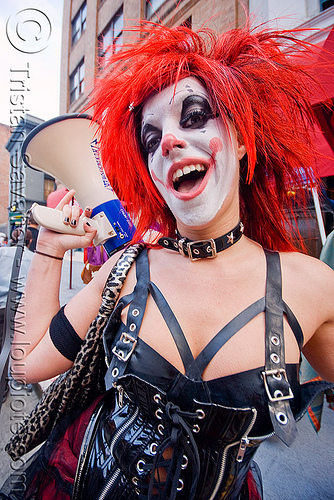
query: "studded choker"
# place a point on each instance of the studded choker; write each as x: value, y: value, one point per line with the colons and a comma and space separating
x: 201, y: 249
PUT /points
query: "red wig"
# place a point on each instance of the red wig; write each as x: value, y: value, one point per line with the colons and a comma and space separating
x: 251, y: 78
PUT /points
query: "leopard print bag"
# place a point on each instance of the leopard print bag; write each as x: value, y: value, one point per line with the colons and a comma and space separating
x: 84, y: 381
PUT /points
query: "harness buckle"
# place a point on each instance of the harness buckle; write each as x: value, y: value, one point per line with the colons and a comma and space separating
x: 277, y: 373
x: 125, y: 338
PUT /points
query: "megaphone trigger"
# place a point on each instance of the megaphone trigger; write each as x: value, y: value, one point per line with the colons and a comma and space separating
x: 52, y: 219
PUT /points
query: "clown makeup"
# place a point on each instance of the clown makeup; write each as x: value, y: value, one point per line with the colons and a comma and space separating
x: 193, y: 155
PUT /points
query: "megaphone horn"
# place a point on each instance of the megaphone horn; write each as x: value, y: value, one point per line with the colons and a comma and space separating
x: 67, y: 148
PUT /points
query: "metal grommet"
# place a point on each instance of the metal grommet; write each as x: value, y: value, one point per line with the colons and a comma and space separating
x: 275, y: 340
x: 140, y: 464
x: 281, y: 418
x: 120, y: 354
x: 175, y: 244
x: 278, y: 394
x: 135, y: 312
x: 157, y: 398
x: 208, y: 249
x: 196, y: 252
x: 181, y: 485
x: 135, y: 480
x: 275, y: 357
x: 184, y: 464
x: 196, y: 428
x: 153, y: 448
x: 161, y: 429
x: 166, y: 242
x: 115, y: 372
x: 159, y: 413
x: 200, y: 414
x: 132, y: 327
x: 277, y: 376
x: 137, y: 490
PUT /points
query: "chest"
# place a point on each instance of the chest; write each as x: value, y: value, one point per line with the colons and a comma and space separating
x: 202, y: 303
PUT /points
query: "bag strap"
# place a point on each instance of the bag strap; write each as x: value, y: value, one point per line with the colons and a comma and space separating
x: 84, y: 380
x: 120, y: 356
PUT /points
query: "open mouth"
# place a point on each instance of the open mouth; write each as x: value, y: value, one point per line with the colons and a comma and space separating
x: 188, y: 178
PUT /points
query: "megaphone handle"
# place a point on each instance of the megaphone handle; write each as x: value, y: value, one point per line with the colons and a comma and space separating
x: 52, y: 219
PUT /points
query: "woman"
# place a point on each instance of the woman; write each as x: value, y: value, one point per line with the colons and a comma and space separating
x: 202, y: 136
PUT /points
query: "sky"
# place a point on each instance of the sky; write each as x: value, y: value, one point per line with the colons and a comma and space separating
x: 30, y: 41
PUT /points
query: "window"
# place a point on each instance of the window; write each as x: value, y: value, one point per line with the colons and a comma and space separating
x: 79, y: 23
x: 49, y: 186
x: 152, y: 6
x: 111, y: 38
x: 187, y: 23
x: 325, y: 4
x: 77, y: 81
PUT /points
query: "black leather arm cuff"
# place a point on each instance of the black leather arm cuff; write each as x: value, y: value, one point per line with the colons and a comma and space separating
x: 64, y: 337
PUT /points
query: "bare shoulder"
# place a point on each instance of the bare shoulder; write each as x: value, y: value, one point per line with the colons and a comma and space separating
x: 102, y: 275
x: 308, y: 288
x: 84, y: 306
x: 306, y: 268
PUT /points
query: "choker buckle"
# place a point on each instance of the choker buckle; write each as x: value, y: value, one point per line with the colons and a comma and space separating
x: 194, y: 252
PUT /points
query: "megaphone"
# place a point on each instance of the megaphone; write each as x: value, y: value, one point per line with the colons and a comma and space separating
x: 67, y: 148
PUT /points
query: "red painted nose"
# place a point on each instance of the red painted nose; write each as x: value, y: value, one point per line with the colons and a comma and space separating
x: 169, y: 142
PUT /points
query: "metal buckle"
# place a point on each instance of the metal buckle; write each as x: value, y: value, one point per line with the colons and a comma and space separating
x: 275, y: 372
x: 180, y: 242
x: 126, y: 338
x: 211, y: 245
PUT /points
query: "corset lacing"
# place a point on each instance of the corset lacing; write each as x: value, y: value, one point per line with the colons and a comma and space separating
x: 180, y: 440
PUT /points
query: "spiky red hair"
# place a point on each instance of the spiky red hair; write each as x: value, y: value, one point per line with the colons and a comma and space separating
x: 251, y: 78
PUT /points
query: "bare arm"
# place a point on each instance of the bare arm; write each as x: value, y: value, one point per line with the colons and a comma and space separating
x: 319, y: 347
x: 41, y: 359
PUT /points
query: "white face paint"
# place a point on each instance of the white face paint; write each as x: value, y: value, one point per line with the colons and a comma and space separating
x: 193, y: 156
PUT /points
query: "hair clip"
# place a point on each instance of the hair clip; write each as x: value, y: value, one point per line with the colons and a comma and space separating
x: 131, y: 107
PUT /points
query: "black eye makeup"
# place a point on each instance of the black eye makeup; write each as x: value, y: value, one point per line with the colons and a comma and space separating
x: 196, y: 111
x: 150, y: 138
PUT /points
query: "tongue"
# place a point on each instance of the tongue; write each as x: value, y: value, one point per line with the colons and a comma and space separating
x: 187, y: 185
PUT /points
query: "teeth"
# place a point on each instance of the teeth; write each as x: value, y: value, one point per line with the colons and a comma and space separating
x: 186, y: 170
x: 199, y: 167
x: 177, y: 174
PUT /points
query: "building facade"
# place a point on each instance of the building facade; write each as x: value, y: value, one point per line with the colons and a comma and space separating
x: 26, y: 185
x: 92, y: 29
x: 4, y: 177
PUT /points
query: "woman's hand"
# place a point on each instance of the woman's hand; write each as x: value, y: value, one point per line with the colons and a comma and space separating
x: 57, y: 244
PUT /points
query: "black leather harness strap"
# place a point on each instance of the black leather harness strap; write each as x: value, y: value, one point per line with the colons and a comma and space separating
x: 127, y: 341
x: 274, y: 376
